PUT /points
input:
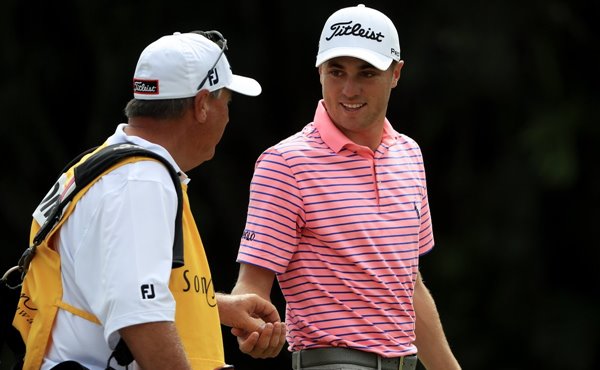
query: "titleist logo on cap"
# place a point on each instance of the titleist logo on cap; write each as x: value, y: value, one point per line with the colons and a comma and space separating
x: 147, y: 87
x: 349, y: 29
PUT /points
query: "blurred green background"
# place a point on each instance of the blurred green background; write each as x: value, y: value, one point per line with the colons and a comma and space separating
x: 502, y: 96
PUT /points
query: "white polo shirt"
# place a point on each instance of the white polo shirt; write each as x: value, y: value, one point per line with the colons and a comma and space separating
x: 119, y: 237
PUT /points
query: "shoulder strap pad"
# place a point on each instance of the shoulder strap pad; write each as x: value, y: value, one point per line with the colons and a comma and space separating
x: 93, y: 167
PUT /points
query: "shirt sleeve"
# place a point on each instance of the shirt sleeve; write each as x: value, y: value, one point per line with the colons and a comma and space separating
x: 426, y: 240
x: 275, y: 214
x: 124, y: 262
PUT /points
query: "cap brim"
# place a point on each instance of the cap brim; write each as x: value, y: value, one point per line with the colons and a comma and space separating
x: 244, y: 85
x: 377, y: 60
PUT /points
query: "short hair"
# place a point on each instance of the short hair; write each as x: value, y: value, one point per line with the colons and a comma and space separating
x: 163, y: 108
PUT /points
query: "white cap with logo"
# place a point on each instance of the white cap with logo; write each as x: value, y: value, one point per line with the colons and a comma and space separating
x: 360, y: 32
x: 173, y: 66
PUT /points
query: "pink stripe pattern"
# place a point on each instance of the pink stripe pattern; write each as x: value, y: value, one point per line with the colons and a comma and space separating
x: 343, y: 230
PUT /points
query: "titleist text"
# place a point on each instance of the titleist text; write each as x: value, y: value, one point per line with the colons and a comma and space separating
x: 145, y: 87
x: 347, y: 28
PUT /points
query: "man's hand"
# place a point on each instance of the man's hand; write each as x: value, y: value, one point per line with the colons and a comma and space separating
x: 255, y: 322
x: 262, y: 344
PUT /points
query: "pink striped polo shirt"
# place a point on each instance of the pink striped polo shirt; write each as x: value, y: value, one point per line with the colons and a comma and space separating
x: 342, y: 227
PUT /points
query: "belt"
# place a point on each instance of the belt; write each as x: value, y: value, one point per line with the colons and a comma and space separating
x: 340, y: 355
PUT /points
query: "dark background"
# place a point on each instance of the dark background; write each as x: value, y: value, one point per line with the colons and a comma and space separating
x: 502, y: 96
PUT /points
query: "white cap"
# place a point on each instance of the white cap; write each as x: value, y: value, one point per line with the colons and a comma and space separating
x: 360, y: 32
x: 173, y: 66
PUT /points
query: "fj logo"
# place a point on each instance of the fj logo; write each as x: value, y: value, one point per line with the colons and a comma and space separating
x: 213, y: 77
x: 148, y: 291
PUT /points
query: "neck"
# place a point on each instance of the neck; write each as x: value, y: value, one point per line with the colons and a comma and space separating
x: 370, y: 138
x: 167, y: 133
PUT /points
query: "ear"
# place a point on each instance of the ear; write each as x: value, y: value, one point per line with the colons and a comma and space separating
x: 396, y: 73
x: 201, y: 105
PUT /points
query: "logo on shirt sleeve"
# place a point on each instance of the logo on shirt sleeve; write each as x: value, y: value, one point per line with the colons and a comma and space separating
x: 148, y: 291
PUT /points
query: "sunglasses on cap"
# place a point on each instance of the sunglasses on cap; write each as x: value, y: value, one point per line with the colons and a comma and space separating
x: 217, y: 38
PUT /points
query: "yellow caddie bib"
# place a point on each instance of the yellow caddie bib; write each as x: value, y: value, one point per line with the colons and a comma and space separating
x: 196, y: 316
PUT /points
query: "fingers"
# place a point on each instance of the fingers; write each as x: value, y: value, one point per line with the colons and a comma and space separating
x: 264, y: 309
x: 255, y: 322
x: 246, y: 311
x: 240, y: 333
x: 258, y: 312
x: 269, y: 316
x: 247, y: 343
x: 267, y: 343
